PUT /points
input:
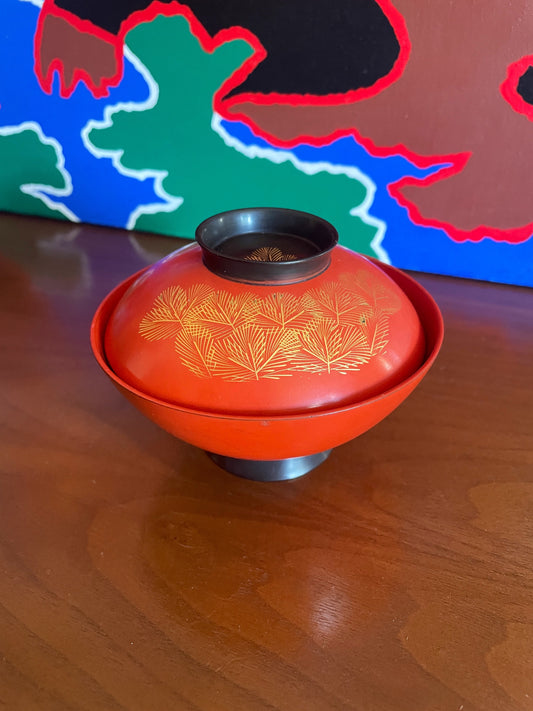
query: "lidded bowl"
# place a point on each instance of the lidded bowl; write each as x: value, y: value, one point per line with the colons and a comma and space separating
x: 242, y: 342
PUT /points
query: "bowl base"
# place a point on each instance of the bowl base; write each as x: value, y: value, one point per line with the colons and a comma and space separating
x: 270, y: 469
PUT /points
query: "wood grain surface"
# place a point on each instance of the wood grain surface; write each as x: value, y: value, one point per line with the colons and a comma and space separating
x: 135, y: 574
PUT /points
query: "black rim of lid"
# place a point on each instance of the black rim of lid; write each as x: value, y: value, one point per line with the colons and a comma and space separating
x: 218, y: 233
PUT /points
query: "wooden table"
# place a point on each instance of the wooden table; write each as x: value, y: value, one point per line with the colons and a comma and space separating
x: 135, y: 574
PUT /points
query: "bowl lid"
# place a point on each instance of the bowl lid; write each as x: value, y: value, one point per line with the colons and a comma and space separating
x: 264, y: 317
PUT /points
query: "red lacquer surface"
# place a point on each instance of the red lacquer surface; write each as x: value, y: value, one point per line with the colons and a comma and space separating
x: 192, y: 338
x: 243, y: 418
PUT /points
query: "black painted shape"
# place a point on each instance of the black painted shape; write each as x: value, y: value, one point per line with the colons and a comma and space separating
x: 107, y: 14
x: 525, y: 86
x: 312, y: 48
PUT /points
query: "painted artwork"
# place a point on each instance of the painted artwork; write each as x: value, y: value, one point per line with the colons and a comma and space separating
x: 406, y: 124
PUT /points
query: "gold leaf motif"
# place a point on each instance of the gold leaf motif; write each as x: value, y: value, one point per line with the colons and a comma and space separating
x: 282, y: 310
x: 327, y: 347
x: 376, y: 332
x: 337, y: 304
x: 172, y: 309
x: 245, y: 336
x: 166, y: 317
x: 381, y: 298
x: 194, y: 345
x: 269, y: 254
x: 223, y: 312
x: 252, y: 353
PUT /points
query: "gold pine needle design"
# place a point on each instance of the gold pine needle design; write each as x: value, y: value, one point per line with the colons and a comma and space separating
x: 172, y: 310
x: 326, y: 347
x: 252, y: 353
x: 282, y: 310
x: 269, y: 254
x: 376, y: 330
x: 194, y: 345
x: 223, y: 312
x: 339, y: 305
x: 381, y: 299
x: 246, y: 336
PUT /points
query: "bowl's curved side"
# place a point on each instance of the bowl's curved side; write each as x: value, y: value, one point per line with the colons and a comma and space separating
x: 426, y: 307
x: 271, y: 437
x: 280, y: 436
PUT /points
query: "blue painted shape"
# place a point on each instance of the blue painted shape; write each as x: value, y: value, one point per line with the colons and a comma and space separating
x: 100, y: 193
x: 104, y: 196
x: 411, y: 246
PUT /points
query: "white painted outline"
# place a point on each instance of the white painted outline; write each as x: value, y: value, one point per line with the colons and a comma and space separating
x: 34, y: 189
x: 281, y: 156
x: 171, y: 202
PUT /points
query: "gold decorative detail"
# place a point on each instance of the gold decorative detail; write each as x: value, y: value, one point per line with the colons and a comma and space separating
x: 172, y: 310
x: 325, y: 346
x: 269, y: 254
x: 223, y: 312
x: 253, y: 352
x: 337, y: 327
x: 282, y: 311
x: 195, y: 348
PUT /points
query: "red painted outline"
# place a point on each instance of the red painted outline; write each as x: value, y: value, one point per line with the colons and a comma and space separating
x: 78, y: 75
x: 456, y: 162
x: 513, y: 235
x: 208, y: 44
x: 398, y: 24
x: 509, y: 88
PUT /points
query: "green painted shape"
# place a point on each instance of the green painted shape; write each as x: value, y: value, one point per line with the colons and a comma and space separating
x: 176, y: 136
x: 25, y: 160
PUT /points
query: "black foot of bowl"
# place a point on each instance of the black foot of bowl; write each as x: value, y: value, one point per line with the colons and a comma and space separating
x: 271, y: 469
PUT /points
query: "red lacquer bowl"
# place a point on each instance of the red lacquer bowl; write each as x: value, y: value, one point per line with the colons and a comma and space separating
x: 267, y: 369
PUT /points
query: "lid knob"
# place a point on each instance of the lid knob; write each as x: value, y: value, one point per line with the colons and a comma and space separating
x: 266, y: 245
